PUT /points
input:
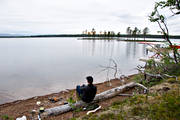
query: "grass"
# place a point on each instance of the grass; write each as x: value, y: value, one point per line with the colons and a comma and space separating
x: 153, y: 106
x: 107, y: 116
x: 6, y: 117
x: 162, y: 107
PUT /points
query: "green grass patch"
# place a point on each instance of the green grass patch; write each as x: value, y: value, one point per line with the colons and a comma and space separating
x: 6, y: 117
x: 108, y: 116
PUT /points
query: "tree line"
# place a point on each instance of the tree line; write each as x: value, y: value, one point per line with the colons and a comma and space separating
x: 129, y: 31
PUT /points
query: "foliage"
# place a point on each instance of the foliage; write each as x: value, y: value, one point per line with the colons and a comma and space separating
x: 173, y: 5
x: 6, y: 117
x: 70, y: 100
x: 172, y: 69
x: 150, y: 64
x: 136, y: 31
x: 140, y: 78
x: 154, y: 72
x: 166, y: 66
x: 145, y: 31
x: 128, y: 30
x: 156, y: 16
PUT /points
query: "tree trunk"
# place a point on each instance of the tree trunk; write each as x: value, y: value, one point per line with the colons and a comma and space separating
x: 102, y: 96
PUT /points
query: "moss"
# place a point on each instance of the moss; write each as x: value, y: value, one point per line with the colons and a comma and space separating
x: 137, y: 99
x: 179, y: 78
x: 73, y: 119
x: 136, y: 110
x: 171, y: 80
x: 162, y: 107
x: 167, y: 107
x: 118, y: 104
x: 109, y: 116
x: 90, y: 117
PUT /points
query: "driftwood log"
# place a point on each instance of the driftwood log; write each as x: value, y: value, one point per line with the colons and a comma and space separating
x: 161, y: 76
x: 102, y: 96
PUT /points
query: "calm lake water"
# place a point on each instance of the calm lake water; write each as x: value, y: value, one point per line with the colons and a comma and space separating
x: 37, y: 66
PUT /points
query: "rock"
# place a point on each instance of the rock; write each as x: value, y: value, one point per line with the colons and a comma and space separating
x: 164, y: 87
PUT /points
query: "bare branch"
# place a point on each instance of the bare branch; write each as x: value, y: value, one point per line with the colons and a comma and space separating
x: 171, y: 76
x: 115, y: 68
x: 154, y: 75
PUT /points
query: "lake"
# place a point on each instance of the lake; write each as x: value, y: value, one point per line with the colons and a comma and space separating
x: 38, y: 66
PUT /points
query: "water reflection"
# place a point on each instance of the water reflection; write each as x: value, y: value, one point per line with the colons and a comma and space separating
x: 49, y: 65
x: 128, y: 48
x: 99, y: 47
x: 145, y: 51
x: 110, y: 48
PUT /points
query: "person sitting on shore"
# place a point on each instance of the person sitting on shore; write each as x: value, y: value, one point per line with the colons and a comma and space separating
x: 87, y: 92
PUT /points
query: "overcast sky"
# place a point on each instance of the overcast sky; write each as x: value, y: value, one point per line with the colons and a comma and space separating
x: 74, y: 16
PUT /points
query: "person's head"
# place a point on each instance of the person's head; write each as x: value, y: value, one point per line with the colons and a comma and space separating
x: 89, y: 79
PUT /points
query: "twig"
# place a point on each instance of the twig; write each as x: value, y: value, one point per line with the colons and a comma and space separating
x: 171, y: 76
x: 114, y: 67
x: 154, y: 75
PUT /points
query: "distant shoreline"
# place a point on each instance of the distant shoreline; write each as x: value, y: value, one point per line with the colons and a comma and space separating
x: 92, y: 36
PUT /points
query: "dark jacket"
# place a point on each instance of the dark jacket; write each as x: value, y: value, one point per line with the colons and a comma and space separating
x: 88, y: 93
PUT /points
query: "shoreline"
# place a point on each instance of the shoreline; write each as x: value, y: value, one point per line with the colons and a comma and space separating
x: 58, y: 92
x: 48, y: 94
x: 18, y: 108
x: 92, y: 36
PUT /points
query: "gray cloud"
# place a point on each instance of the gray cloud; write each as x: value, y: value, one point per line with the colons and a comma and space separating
x: 128, y: 18
x: 73, y: 16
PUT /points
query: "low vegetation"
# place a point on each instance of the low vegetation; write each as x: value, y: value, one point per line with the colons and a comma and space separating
x: 156, y: 105
x: 6, y: 117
